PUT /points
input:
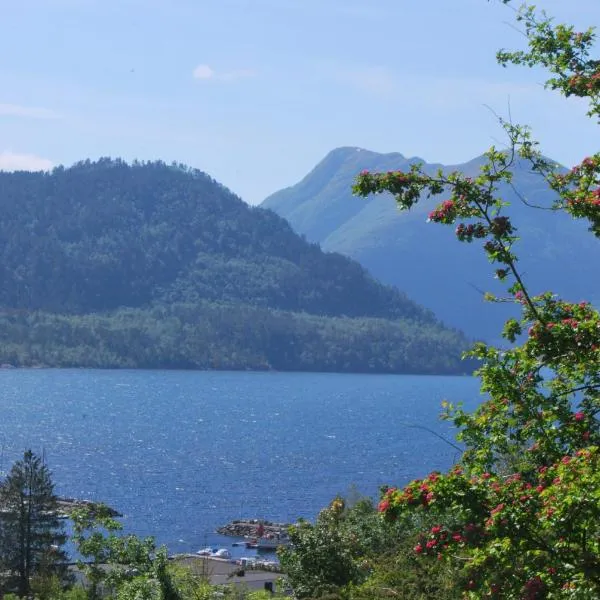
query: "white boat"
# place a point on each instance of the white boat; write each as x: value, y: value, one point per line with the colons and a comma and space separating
x: 211, y: 553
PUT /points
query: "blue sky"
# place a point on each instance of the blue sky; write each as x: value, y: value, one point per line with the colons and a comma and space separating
x: 256, y: 92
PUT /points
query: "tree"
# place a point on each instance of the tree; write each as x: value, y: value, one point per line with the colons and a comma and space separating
x: 31, y: 536
x: 321, y: 558
x: 125, y: 566
x: 519, y: 517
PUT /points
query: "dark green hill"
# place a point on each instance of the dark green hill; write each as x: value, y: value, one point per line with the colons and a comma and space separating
x: 110, y: 264
x: 425, y: 260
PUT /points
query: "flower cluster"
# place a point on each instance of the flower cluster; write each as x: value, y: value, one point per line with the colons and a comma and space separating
x: 583, y: 85
x: 466, y: 233
x: 406, y: 187
x: 548, y: 515
x: 568, y: 329
x: 580, y: 190
x: 444, y: 213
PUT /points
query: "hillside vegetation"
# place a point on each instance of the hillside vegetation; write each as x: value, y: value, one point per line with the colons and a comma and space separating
x: 147, y: 265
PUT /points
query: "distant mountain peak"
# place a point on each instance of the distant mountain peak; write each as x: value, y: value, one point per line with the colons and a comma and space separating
x: 351, y: 151
x: 401, y: 249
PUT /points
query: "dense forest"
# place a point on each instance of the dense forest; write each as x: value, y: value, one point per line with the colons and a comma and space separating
x: 107, y: 264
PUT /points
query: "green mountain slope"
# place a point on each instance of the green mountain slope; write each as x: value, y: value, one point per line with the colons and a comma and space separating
x: 110, y: 264
x: 425, y: 260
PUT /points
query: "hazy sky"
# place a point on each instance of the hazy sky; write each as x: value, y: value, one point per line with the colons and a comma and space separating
x: 256, y: 92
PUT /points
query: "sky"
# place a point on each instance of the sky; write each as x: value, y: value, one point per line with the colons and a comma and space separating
x: 257, y: 92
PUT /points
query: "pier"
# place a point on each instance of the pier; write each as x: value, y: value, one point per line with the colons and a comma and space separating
x: 250, y: 528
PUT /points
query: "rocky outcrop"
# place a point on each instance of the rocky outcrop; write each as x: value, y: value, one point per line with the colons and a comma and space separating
x: 67, y: 505
x: 249, y: 528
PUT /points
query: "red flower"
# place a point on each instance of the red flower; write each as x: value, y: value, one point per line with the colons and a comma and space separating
x: 497, y: 509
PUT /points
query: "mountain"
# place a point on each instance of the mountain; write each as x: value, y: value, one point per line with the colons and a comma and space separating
x: 424, y: 259
x: 147, y: 265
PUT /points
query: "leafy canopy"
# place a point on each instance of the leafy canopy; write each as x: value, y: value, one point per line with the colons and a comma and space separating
x: 519, y: 517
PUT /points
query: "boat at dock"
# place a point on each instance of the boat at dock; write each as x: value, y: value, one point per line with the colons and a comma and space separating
x: 221, y: 553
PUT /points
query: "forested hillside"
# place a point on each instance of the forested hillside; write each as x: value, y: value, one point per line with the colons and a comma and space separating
x: 402, y: 249
x: 149, y: 265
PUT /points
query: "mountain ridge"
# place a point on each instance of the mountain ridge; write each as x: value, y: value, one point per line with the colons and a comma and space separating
x: 401, y: 249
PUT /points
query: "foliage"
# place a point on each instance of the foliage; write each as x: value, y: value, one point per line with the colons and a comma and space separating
x: 107, y: 264
x: 99, y: 236
x: 226, y: 336
x: 190, y: 585
x: 400, y: 573
x: 350, y: 552
x: 521, y: 514
x: 335, y: 551
x: 125, y: 566
x: 31, y: 536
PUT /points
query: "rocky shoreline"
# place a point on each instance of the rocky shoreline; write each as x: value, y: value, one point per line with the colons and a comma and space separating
x: 242, y: 528
x: 67, y: 505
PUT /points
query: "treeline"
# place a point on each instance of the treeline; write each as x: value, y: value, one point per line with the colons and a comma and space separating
x: 228, y: 336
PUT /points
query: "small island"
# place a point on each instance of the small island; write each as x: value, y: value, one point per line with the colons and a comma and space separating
x: 67, y: 505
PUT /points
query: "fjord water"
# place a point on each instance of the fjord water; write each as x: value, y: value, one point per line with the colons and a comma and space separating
x: 180, y: 453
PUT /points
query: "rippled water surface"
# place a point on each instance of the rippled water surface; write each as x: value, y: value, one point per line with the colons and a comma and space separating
x: 179, y: 453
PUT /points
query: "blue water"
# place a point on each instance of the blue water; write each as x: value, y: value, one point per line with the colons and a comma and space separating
x: 180, y: 453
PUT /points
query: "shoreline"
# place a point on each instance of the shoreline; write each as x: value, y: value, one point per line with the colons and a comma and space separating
x: 67, y: 505
x: 5, y: 367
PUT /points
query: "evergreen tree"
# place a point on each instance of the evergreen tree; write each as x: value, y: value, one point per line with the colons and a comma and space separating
x: 31, y: 536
